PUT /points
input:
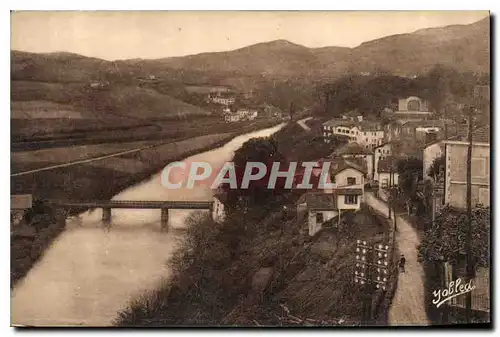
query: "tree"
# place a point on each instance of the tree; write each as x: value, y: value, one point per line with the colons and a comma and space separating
x: 437, y: 168
x: 262, y: 150
x: 445, y: 240
x: 410, y: 172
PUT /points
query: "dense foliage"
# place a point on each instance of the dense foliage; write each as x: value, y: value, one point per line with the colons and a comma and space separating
x: 371, y: 94
x: 445, y: 241
x: 258, y: 150
x: 437, y: 167
x: 410, y: 172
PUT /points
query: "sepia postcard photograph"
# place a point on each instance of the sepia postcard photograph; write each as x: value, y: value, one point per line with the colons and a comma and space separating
x: 250, y: 169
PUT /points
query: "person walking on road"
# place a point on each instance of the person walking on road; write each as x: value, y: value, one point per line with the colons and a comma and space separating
x: 402, y: 261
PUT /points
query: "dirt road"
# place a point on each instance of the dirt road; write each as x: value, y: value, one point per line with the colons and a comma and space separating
x: 408, y: 307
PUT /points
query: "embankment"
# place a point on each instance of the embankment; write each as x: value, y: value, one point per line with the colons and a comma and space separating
x: 100, y: 180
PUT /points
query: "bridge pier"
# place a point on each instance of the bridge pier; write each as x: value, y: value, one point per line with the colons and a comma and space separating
x: 106, y: 216
x: 164, y: 219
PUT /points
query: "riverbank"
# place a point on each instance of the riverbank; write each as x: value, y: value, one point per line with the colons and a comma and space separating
x: 261, y: 268
x: 101, y: 180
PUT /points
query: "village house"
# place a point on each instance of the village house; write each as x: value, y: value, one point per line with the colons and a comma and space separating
x: 222, y: 99
x: 455, y: 188
x: 353, y: 116
x: 346, y: 195
x: 208, y: 89
x: 218, y: 207
x: 455, y: 195
x: 388, y: 175
x: 380, y: 152
x: 365, y: 133
x: 354, y: 150
x: 239, y: 115
x: 454, y: 149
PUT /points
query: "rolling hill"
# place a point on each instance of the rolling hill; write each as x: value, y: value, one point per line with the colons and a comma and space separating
x: 274, y: 71
x: 464, y: 47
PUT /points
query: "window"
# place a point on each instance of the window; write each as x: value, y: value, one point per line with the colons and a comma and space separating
x: 351, y: 181
x: 364, y: 133
x: 332, y: 178
x: 319, y: 217
x: 351, y: 199
x: 367, y: 140
x: 479, y: 167
x: 385, y: 182
x: 379, y: 151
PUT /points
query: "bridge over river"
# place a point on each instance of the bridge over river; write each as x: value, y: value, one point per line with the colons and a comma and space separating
x: 88, y: 275
x: 108, y: 205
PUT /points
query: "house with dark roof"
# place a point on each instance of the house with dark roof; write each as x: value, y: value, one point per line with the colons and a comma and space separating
x: 387, y: 172
x: 344, y: 192
x: 380, y: 152
x: 354, y: 150
x: 353, y: 115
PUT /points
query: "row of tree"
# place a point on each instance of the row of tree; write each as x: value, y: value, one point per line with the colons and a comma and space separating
x: 441, y: 86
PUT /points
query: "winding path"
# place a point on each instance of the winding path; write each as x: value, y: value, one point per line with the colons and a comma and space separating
x: 408, y: 307
x: 303, y: 124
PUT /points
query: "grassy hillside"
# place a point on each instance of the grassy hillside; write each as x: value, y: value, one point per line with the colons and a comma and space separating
x: 465, y: 47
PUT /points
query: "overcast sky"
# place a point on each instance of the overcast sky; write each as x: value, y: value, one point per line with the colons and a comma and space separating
x: 122, y: 35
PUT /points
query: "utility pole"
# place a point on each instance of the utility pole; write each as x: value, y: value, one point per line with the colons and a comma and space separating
x: 468, y: 300
x: 390, y: 191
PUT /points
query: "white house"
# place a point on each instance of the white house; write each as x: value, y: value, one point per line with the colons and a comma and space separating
x: 353, y: 115
x: 380, y: 152
x: 387, y: 174
x: 364, y: 133
x: 346, y: 195
x: 354, y: 150
x: 218, y: 208
x: 222, y: 98
x: 319, y: 208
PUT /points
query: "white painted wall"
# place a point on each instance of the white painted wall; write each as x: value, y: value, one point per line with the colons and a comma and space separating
x: 430, y: 153
x: 368, y: 159
x: 341, y: 204
x: 218, y: 211
x: 380, y: 153
x: 315, y: 227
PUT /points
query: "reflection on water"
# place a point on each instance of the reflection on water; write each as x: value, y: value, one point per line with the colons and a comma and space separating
x: 89, y: 273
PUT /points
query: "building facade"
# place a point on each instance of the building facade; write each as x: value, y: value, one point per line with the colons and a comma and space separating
x: 366, y: 134
x: 456, y: 173
x: 379, y: 153
x: 346, y: 195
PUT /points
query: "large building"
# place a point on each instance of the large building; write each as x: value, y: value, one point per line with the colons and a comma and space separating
x: 366, y: 134
x: 455, y: 189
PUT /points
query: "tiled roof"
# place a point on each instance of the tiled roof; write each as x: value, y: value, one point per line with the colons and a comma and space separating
x: 357, y: 163
x: 353, y: 148
x: 347, y: 191
x: 338, y: 164
x: 320, y: 201
x: 384, y: 165
x: 339, y: 122
x: 480, y: 134
x: 353, y: 113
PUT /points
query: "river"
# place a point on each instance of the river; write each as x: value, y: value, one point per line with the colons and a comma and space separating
x: 89, y: 274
